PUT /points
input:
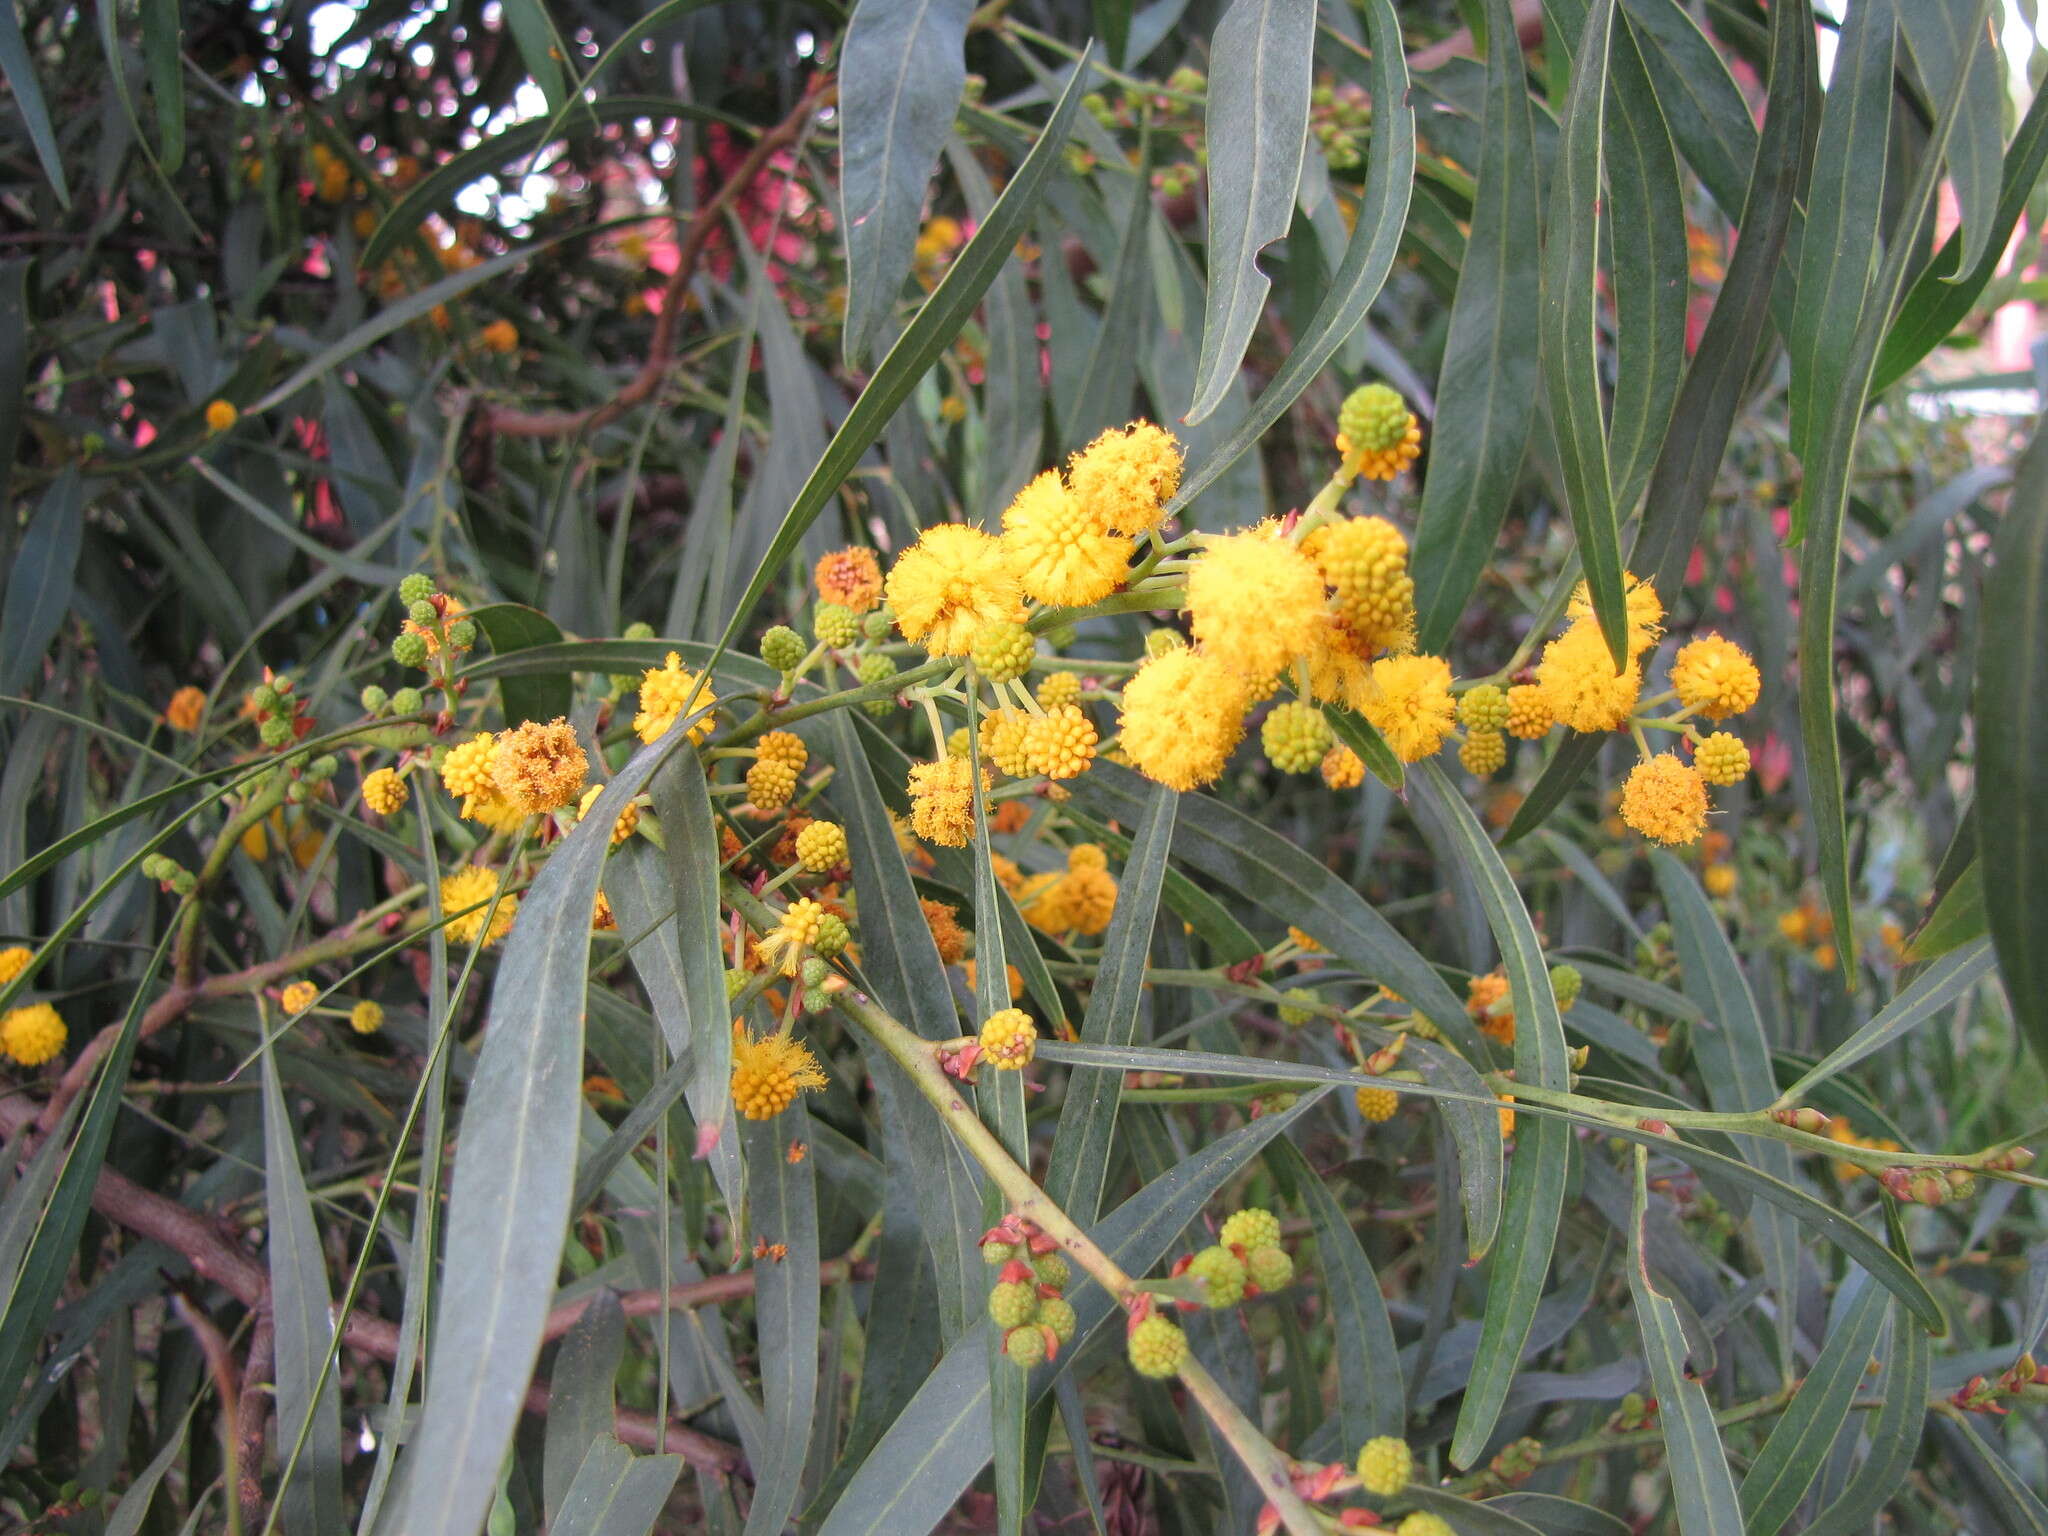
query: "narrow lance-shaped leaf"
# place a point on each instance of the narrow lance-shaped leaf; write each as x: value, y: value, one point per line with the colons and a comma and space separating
x: 783, y: 1194
x: 27, y: 91
x: 1375, y: 240
x: 1894, y: 1434
x: 2012, y: 745
x: 1256, y: 131
x: 1536, y: 1176
x: 1486, y: 393
x: 1703, y: 1489
x: 1570, y: 328
x: 900, y: 76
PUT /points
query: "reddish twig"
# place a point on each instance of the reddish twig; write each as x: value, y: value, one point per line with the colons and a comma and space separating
x: 252, y: 1414
x: 506, y: 421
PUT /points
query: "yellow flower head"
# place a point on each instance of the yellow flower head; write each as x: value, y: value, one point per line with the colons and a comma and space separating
x: 664, y: 692
x: 220, y: 415
x: 1059, y: 552
x: 540, y: 767
x: 13, y: 961
x: 942, y: 802
x: 1343, y: 768
x: 1060, y: 743
x: 1385, y: 1464
x: 1256, y: 600
x: 501, y: 336
x: 602, y: 919
x: 1365, y: 562
x: 770, y: 784
x: 299, y: 996
x: 384, y: 792
x: 1340, y: 667
x: 784, y: 747
x: 798, y: 929
x: 1665, y: 799
x: 1009, y: 1039
x: 1005, y: 741
x: 1580, y: 684
x: 32, y: 1035
x: 1183, y: 716
x: 367, y: 1017
x: 1486, y: 1000
x: 466, y: 771
x: 768, y: 1071
x: 1715, y: 677
x: 1087, y: 899
x: 1529, y: 714
x: 820, y: 846
x: 1125, y: 478
x: 1413, y: 708
x: 851, y: 578
x: 474, y: 886
x: 1057, y: 689
x: 1086, y: 856
x: 948, y: 584
x: 629, y: 818
x: 186, y: 711
x: 1722, y: 758
x: 1645, y: 612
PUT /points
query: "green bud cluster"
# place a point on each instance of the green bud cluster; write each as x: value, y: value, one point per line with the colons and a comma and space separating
x: 783, y: 648
x: 835, y: 625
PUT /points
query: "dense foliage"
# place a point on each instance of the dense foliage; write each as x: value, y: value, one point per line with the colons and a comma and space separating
x: 1045, y: 767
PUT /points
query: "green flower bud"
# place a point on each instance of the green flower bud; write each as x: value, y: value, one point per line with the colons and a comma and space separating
x: 264, y: 697
x: 408, y: 701
x: 1057, y: 1313
x: 1052, y: 1270
x: 639, y: 629
x: 815, y: 971
x: 462, y: 634
x: 276, y: 732
x: 783, y: 648
x: 423, y: 612
x: 410, y: 650
x: 416, y: 588
x: 374, y: 699
x: 322, y: 768
x: 735, y: 983
x: 1025, y: 1346
x: 835, y: 625
x: 1012, y: 1303
x: 876, y: 626
x: 832, y: 935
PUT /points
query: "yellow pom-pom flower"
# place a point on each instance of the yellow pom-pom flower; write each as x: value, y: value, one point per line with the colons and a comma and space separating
x: 1256, y: 600
x: 384, y: 792
x: 1365, y: 562
x: 820, y: 846
x: 299, y: 996
x: 1645, y: 612
x: 1385, y: 1465
x: 1125, y: 478
x: 1009, y: 1039
x: 1183, y: 716
x: 1157, y: 1348
x: 1060, y: 554
x: 13, y: 961
x: 186, y: 710
x: 367, y: 1017
x: 466, y: 771
x: 473, y: 886
x: 1089, y: 899
x: 1004, y: 741
x: 1715, y: 677
x: 950, y: 583
x: 32, y: 1035
x: 1484, y: 753
x: 1058, y: 689
x: 539, y: 767
x: 629, y: 818
x: 1423, y: 1523
x: 1665, y: 800
x: 770, y: 784
x: 797, y: 930
x: 1060, y: 743
x: 1343, y: 768
x: 768, y: 1071
x: 664, y: 692
x: 1378, y: 1105
x: 1722, y: 758
x: 221, y: 415
x: 1529, y: 715
x: 1413, y: 708
x: 942, y: 802
x: 1486, y: 1000
x: 1580, y: 684
x: 1340, y: 667
x: 784, y: 747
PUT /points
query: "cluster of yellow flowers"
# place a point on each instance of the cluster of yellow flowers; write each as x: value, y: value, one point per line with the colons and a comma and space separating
x: 34, y: 1033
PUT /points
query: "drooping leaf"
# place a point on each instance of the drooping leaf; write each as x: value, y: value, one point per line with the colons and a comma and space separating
x: 514, y: 627
x: 40, y: 583
x: 1486, y: 392
x: 27, y: 91
x: 900, y: 77
x: 1256, y: 130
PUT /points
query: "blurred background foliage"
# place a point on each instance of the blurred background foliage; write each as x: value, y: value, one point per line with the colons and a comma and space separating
x: 565, y: 304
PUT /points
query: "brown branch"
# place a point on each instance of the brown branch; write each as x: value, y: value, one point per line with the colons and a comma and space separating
x: 506, y: 421
x: 252, y: 1414
x: 215, y: 1256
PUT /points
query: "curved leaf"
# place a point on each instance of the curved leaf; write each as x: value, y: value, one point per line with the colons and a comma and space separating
x: 901, y: 72
x: 1936, y: 988
x: 1256, y: 130
x: 1894, y: 1437
x: 527, y: 696
x: 1486, y: 391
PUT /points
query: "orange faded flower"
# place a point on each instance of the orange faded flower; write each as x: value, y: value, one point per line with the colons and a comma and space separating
x: 851, y: 578
x: 186, y: 710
